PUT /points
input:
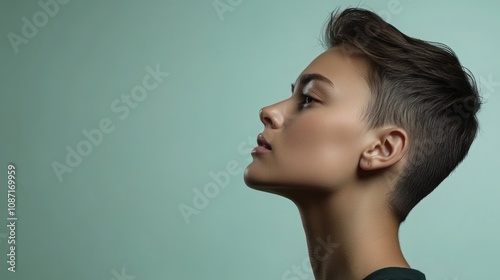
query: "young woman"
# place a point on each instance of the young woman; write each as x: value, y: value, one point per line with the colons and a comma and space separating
x: 373, y: 125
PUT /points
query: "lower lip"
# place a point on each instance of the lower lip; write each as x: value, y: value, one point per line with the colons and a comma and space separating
x: 260, y: 149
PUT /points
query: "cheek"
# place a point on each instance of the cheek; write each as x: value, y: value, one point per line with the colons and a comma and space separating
x: 306, y: 132
x: 322, y: 145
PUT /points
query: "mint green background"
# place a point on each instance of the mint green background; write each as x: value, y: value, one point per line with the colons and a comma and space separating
x: 119, y: 207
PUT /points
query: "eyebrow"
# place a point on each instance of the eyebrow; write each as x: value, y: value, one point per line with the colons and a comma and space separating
x: 306, y: 78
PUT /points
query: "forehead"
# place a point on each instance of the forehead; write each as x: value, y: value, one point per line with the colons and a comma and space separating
x: 346, y: 71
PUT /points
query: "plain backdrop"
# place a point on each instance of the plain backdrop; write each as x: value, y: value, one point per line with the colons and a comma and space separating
x: 159, y: 193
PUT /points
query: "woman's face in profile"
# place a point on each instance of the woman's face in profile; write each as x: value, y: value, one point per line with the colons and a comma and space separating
x: 316, y: 141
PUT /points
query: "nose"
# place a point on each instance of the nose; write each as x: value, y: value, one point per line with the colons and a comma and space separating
x: 271, y: 116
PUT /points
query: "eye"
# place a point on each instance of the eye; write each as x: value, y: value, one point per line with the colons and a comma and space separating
x: 306, y: 101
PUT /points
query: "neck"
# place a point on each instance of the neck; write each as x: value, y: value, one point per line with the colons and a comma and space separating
x: 349, y: 234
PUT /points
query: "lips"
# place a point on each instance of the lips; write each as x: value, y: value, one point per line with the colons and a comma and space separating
x: 261, y: 141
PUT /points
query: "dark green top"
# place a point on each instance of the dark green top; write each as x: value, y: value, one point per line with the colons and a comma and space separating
x: 395, y: 273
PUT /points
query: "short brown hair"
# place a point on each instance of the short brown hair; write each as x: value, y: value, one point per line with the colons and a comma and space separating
x: 419, y: 86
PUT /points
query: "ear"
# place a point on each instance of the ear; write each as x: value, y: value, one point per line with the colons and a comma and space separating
x: 390, y: 146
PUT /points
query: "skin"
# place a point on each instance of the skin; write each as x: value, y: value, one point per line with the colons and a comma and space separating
x: 326, y: 160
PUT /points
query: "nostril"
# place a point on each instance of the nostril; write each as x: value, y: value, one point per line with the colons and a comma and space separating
x: 266, y: 120
x: 270, y: 116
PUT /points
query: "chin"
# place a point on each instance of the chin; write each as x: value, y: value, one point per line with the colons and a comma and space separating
x: 269, y: 187
x: 250, y: 178
x: 253, y: 182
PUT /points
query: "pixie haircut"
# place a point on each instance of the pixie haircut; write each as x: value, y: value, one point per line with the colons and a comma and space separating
x: 419, y: 86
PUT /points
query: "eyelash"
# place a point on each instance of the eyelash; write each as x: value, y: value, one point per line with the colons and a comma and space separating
x: 304, y: 97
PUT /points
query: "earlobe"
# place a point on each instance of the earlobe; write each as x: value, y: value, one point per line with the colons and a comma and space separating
x: 389, y: 148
